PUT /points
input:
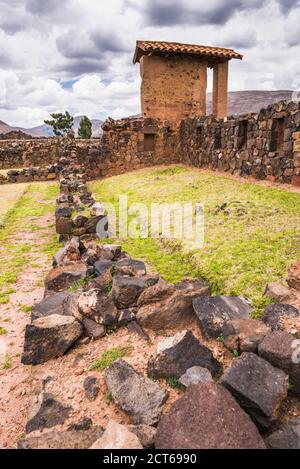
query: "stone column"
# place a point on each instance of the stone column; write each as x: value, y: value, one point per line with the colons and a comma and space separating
x: 220, y: 90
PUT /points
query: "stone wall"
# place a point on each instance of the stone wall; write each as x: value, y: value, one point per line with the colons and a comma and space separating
x: 26, y: 153
x: 264, y: 145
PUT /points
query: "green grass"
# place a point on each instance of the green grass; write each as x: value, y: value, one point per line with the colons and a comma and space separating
x: 250, y: 242
x: 6, y: 365
x: 37, y: 200
x: 3, y: 331
x: 173, y: 383
x: 25, y: 308
x: 110, y: 356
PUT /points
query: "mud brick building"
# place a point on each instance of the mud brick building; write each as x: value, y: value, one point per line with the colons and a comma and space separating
x: 174, y: 79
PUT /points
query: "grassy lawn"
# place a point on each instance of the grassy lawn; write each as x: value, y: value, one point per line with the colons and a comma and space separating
x: 21, y: 218
x: 248, y: 243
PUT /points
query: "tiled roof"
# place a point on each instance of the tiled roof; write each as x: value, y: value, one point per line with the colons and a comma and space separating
x: 148, y: 47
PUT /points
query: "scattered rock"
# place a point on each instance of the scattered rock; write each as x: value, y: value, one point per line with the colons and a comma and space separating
x: 103, y: 267
x: 287, y: 437
x: 278, y: 349
x: 94, y: 305
x: 258, y: 387
x: 117, y: 436
x: 134, y: 327
x: 207, y: 417
x: 175, y: 355
x: 127, y: 290
x: 52, y: 304
x: 62, y: 278
x: 214, y: 313
x: 131, y: 267
x: 275, y: 312
x: 139, y: 397
x: 71, y: 439
x: 293, y: 279
x: 145, y: 434
x: 91, y: 388
x: 49, y: 337
x: 245, y: 335
x: 83, y: 425
x: 46, y: 412
x: 165, y: 306
x: 196, y: 375
x: 93, y: 330
x: 277, y: 292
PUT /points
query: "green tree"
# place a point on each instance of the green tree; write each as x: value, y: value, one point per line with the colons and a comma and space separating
x: 85, y: 128
x: 60, y: 123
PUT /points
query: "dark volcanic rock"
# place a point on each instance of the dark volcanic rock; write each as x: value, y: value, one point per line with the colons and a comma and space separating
x: 207, y: 417
x: 131, y: 267
x: 48, y: 413
x: 279, y: 348
x: 71, y: 439
x: 102, y: 267
x: 91, y: 388
x: 245, y: 335
x: 62, y: 278
x: 49, y: 337
x: 165, y: 306
x: 127, y: 290
x: 215, y: 312
x: 94, y: 305
x: 175, y: 355
x: 139, y: 397
x: 258, y: 387
x: 274, y: 312
x: 287, y: 437
x: 52, y: 304
x: 93, y: 330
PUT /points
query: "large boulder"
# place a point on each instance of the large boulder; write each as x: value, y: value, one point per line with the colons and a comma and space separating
x: 293, y: 279
x: 175, y: 355
x: 207, y: 417
x: 214, y: 313
x: 117, y: 436
x: 258, y: 387
x: 244, y: 335
x: 71, y: 439
x: 62, y: 278
x: 49, y: 337
x: 166, y: 306
x: 53, y: 304
x: 278, y: 349
x: 275, y: 313
x: 139, y: 397
x: 46, y: 412
x: 131, y: 267
x: 287, y: 437
x: 127, y: 290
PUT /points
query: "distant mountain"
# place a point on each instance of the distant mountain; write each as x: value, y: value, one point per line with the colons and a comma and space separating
x: 239, y: 102
x: 46, y: 131
x: 243, y: 102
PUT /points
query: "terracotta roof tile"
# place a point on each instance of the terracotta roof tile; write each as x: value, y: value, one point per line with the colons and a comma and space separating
x: 147, y: 47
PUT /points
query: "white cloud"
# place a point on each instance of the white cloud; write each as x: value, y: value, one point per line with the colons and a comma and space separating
x: 92, y: 44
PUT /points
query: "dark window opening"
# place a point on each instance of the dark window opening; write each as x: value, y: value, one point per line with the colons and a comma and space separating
x: 277, y: 135
x: 149, y: 142
x: 242, y: 135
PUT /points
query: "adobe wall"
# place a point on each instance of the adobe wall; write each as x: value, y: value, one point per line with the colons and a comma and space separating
x: 264, y: 145
x: 173, y: 88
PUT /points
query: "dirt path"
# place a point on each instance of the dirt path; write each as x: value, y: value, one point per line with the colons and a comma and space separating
x: 15, y: 382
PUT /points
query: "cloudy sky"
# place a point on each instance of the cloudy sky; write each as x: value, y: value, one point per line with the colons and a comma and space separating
x: 77, y: 54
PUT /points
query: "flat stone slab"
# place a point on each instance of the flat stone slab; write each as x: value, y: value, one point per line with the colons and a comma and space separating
x: 275, y: 312
x: 139, y: 397
x: 258, y: 387
x: 280, y: 349
x: 49, y: 337
x: 175, y: 355
x: 207, y: 417
x: 214, y: 313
